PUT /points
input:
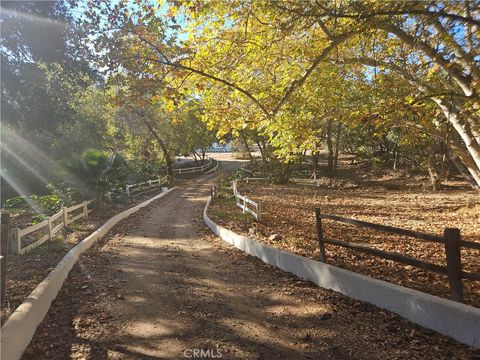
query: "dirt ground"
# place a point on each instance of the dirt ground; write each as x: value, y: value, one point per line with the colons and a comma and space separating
x: 159, y: 286
x: 25, y: 272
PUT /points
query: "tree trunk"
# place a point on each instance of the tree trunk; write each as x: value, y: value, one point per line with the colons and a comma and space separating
x: 463, y: 162
x: 314, y: 164
x: 330, y: 146
x: 242, y: 135
x: 195, y: 157
x: 454, y: 158
x: 161, y: 143
x: 433, y: 177
x: 464, y: 130
x: 337, y: 143
x: 262, y: 151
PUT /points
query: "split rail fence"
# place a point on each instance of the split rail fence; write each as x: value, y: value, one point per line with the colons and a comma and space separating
x: 451, y: 239
x: 50, y: 226
x: 67, y: 215
x: 246, y: 204
x: 195, y: 169
x: 133, y: 190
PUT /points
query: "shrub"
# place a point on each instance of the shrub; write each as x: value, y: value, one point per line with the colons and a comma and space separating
x: 15, y: 203
x: 48, y: 204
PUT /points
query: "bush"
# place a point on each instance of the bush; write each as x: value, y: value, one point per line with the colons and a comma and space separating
x: 47, y: 204
x: 15, y: 203
x: 94, y: 173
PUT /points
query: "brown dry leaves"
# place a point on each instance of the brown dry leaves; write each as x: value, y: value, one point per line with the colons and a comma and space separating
x: 289, y: 211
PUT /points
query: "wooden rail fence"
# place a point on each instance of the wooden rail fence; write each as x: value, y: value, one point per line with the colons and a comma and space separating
x: 243, y: 203
x: 195, y: 169
x: 136, y: 189
x: 451, y: 239
x: 51, y: 225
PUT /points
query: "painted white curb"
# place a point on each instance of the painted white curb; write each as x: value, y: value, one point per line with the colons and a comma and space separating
x: 18, y: 331
x: 214, y: 168
x: 460, y: 321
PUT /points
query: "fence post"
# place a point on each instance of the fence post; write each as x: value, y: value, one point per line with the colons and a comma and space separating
x: 65, y: 216
x: 127, y: 190
x: 49, y: 227
x: 454, y: 262
x: 15, y: 241
x: 258, y: 211
x: 85, y: 209
x: 321, y: 244
x: 5, y: 235
x: 244, y: 203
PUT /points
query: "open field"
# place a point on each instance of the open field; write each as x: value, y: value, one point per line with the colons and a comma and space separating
x: 288, y: 210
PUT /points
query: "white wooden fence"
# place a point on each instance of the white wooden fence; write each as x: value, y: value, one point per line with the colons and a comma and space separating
x: 242, y: 168
x: 136, y: 188
x: 49, y: 226
x: 195, y: 169
x: 255, y: 179
x: 243, y: 203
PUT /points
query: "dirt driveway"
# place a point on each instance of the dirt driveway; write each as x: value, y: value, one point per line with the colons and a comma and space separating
x: 160, y: 286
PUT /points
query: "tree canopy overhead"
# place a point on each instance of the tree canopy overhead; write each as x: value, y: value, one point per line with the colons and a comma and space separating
x: 392, y: 82
x: 284, y: 67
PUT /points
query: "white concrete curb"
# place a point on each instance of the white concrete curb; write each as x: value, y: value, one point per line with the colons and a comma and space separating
x: 214, y: 168
x: 460, y: 321
x: 18, y: 331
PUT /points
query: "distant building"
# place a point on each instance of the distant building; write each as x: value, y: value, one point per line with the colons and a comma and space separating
x: 216, y: 147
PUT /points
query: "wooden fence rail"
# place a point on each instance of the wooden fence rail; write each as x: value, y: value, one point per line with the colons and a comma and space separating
x: 48, y: 227
x: 243, y: 203
x: 136, y: 189
x: 451, y: 239
x: 194, y: 169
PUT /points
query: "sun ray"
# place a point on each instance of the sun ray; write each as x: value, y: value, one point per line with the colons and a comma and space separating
x: 37, y: 162
x: 19, y: 189
x: 33, y: 18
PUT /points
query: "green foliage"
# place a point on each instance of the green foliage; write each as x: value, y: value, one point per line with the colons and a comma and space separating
x: 15, y: 202
x: 48, y: 204
x: 37, y: 218
x: 195, y: 136
x: 96, y: 173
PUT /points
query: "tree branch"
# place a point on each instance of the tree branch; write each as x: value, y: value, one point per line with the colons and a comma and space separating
x: 462, y: 81
x: 299, y: 82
